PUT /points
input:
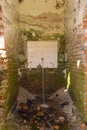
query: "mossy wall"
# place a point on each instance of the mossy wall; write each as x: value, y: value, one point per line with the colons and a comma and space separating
x: 32, y: 80
x: 11, y: 30
x: 42, y: 21
x: 54, y: 78
x: 46, y: 25
x: 77, y: 89
x: 44, y: 16
x: 75, y: 51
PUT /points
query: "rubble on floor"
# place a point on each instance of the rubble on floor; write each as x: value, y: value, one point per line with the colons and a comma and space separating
x: 63, y: 97
x: 23, y: 95
x: 31, y: 115
x: 36, y: 114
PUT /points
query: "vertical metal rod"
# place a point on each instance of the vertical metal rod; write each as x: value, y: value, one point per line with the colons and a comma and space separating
x: 42, y: 59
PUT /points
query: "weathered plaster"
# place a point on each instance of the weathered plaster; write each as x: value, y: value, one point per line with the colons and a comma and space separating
x: 37, y: 7
x: 42, y: 15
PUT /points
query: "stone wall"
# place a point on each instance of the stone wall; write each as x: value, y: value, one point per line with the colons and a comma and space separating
x: 75, y: 44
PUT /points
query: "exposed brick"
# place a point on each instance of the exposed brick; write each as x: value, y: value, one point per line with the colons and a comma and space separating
x: 85, y: 112
x: 0, y: 18
x: 84, y: 21
x: 85, y: 108
x: 84, y: 26
x: 85, y: 38
x: 1, y: 33
x: 85, y: 51
x: 78, y: 37
x: 83, y: 126
x: 85, y: 88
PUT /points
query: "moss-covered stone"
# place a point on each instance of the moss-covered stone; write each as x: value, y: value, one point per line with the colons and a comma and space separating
x: 11, y: 32
x: 77, y: 82
x: 4, y: 127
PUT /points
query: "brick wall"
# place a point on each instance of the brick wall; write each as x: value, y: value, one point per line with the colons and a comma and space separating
x: 2, y: 79
x: 85, y: 52
x: 74, y: 31
x: 11, y: 30
x: 32, y: 80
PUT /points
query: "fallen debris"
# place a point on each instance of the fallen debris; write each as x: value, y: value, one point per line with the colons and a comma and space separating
x: 30, y: 115
x: 39, y: 116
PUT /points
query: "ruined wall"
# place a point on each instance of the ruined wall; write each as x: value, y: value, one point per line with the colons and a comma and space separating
x: 76, y: 60
x: 85, y: 51
x: 45, y: 16
x: 11, y: 30
x: 3, y: 68
x: 41, y: 20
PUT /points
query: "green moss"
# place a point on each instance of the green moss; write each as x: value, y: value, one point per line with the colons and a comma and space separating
x: 36, y: 35
x: 12, y: 84
x: 4, y: 127
x: 77, y: 89
x: 32, y: 80
x: 52, y: 81
x: 32, y: 35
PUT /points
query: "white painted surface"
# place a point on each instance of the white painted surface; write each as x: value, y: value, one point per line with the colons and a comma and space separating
x: 48, y: 50
x: 2, y: 44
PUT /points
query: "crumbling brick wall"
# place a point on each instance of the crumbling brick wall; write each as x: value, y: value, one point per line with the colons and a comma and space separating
x: 76, y: 57
x: 10, y: 25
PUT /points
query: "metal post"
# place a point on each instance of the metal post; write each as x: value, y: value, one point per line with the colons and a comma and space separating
x: 43, y: 91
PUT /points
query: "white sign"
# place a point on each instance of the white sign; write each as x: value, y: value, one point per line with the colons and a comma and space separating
x: 42, y: 53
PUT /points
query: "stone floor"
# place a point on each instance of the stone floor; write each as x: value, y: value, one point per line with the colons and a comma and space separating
x: 31, y: 115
